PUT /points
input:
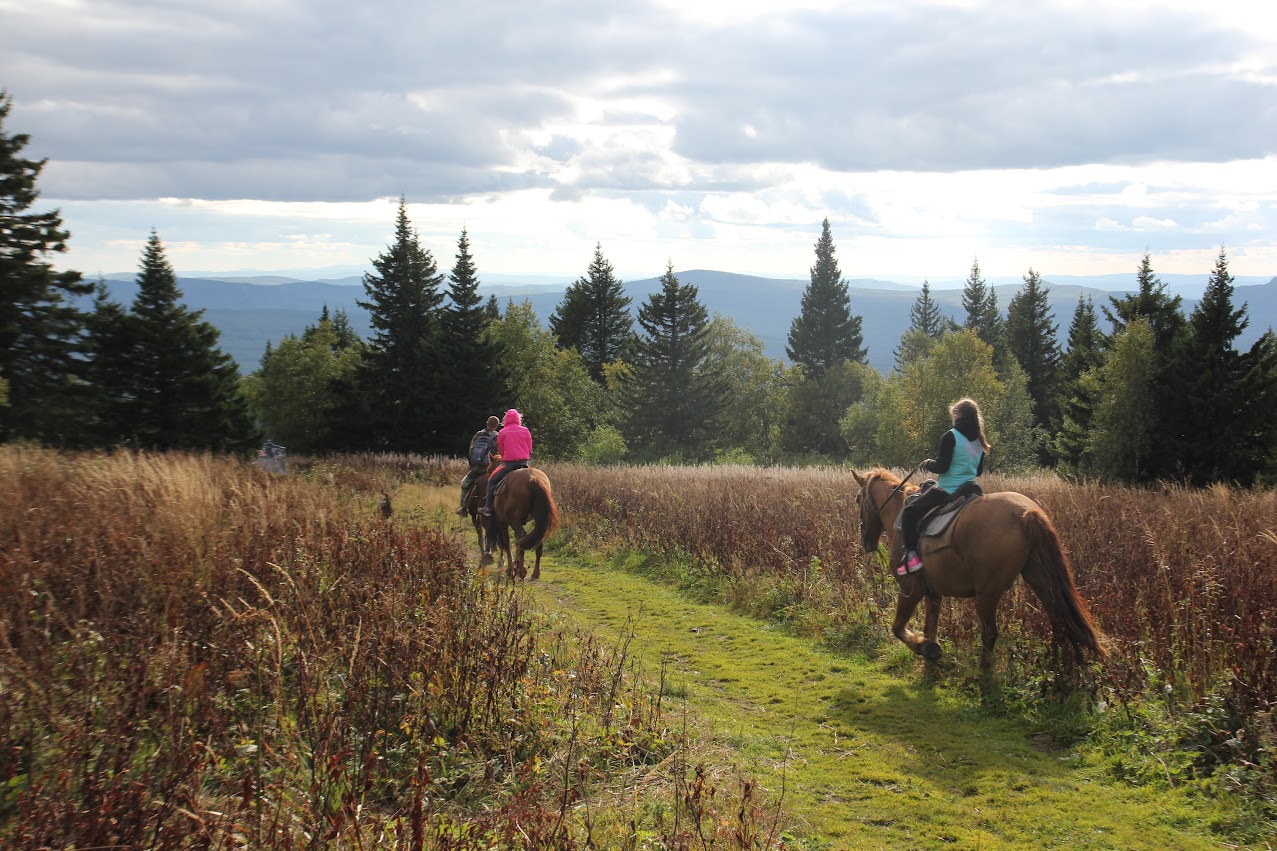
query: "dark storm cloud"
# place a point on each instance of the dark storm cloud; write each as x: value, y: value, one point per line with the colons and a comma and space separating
x: 327, y: 100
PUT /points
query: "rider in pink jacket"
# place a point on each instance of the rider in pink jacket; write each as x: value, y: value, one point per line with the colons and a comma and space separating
x: 514, y: 445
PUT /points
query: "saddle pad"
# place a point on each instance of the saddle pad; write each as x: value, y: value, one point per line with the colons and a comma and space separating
x: 937, y: 529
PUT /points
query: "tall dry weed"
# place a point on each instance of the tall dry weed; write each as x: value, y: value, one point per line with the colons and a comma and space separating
x: 194, y: 652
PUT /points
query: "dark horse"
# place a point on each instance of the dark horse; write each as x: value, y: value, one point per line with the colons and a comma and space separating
x: 995, y: 539
x: 474, y: 501
x: 523, y: 495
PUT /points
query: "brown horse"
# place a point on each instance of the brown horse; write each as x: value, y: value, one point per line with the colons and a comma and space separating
x: 524, y: 495
x: 995, y: 539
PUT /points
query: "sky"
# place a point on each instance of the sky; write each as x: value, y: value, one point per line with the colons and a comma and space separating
x: 1068, y: 137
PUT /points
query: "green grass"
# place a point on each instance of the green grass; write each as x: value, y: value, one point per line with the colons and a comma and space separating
x: 867, y: 753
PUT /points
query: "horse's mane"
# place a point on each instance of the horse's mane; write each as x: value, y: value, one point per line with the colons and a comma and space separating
x: 889, y: 478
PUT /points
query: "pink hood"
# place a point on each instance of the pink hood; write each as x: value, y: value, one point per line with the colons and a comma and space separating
x: 514, y: 442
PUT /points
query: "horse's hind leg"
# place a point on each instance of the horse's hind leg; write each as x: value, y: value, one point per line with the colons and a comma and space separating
x: 536, y: 567
x: 987, y: 609
x: 930, y: 647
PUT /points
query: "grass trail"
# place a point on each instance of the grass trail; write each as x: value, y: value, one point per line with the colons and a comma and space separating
x: 867, y: 758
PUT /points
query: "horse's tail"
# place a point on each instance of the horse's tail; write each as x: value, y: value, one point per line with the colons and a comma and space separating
x: 1051, y: 578
x: 545, y: 515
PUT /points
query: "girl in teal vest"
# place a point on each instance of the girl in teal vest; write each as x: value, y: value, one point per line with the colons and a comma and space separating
x: 959, y: 460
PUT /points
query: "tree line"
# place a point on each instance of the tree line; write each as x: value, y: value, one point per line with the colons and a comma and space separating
x: 1154, y: 395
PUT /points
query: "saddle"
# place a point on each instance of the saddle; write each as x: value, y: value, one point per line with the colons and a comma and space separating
x: 936, y: 527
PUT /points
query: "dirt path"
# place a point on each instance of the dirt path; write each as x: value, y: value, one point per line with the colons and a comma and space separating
x: 867, y: 758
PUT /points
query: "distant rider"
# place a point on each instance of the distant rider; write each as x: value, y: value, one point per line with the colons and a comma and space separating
x: 482, y: 450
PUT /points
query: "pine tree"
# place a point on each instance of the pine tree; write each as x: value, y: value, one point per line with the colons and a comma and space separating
x: 981, y: 305
x: 672, y: 397
x: 403, y: 368
x: 476, y: 383
x: 1032, y: 341
x: 594, y: 317
x: 42, y: 330
x: 1084, y: 355
x: 1227, y: 396
x: 825, y: 332
x: 177, y: 390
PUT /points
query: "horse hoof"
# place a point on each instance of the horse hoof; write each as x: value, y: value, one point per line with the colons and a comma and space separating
x: 931, y: 651
x: 487, y: 559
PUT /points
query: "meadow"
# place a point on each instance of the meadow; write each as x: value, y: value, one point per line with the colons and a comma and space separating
x: 1182, y: 582
x: 197, y: 653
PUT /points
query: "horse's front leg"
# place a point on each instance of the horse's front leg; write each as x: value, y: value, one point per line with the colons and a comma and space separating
x: 906, y: 603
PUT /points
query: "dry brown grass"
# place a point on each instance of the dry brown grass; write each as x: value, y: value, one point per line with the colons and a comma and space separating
x: 196, y: 653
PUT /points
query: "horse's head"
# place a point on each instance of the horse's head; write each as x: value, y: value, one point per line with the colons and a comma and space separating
x: 871, y: 528
x: 878, y: 490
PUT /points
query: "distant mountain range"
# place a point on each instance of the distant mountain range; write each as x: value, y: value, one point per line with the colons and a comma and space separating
x: 250, y: 310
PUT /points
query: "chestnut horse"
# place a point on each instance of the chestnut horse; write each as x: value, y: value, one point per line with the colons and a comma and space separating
x: 995, y: 539
x: 523, y: 495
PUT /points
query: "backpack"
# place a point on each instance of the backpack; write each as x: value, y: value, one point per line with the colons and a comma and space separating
x: 483, y: 445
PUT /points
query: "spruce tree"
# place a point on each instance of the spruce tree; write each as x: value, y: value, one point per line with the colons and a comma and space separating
x: 475, y: 383
x: 1085, y: 354
x: 1227, y: 396
x: 402, y: 379
x: 825, y: 332
x: 1150, y: 302
x: 177, y: 390
x: 672, y: 398
x: 981, y: 305
x: 1032, y: 341
x: 926, y: 325
x: 594, y: 317
x: 42, y: 329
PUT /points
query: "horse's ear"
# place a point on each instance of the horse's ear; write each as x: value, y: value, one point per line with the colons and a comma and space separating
x: 859, y: 480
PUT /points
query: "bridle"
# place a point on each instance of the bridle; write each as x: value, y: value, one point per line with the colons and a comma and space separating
x: 895, y: 490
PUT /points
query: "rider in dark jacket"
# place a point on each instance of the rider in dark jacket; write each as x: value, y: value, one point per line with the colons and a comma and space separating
x: 958, y: 461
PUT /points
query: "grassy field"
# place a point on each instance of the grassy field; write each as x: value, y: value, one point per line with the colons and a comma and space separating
x: 1182, y: 582
x: 869, y: 754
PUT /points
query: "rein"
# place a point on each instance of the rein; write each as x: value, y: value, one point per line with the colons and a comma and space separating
x: 896, y: 490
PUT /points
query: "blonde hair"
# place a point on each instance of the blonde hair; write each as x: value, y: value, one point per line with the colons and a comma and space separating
x: 968, y: 408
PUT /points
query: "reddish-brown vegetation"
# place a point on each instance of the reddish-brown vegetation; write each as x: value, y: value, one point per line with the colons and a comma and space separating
x: 194, y: 652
